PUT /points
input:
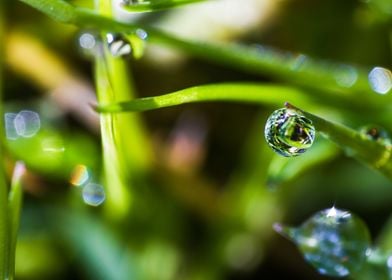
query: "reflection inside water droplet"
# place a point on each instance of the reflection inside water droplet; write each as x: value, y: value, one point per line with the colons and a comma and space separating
x: 93, y: 194
x: 118, y: 45
x: 380, y: 80
x: 334, y: 241
x: 27, y: 123
x: 80, y: 175
x: 288, y: 132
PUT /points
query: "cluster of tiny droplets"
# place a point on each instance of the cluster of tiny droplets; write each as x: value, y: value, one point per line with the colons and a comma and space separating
x: 288, y: 132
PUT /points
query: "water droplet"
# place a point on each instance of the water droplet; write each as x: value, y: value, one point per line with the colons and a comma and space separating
x: 288, y: 132
x: 141, y: 33
x: 93, y: 194
x: 9, y: 122
x: 346, y: 75
x: 27, y: 123
x: 375, y: 133
x: 335, y: 242
x: 90, y: 44
x: 380, y: 80
x: 80, y: 175
x: 118, y: 44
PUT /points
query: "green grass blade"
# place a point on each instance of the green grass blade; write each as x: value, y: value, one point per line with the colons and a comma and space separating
x: 236, y: 92
x: 157, y: 5
x: 125, y: 146
x: 4, y: 222
x: 373, y: 153
x: 15, y: 206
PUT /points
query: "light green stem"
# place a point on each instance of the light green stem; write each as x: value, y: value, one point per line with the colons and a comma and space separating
x: 236, y: 92
x: 4, y: 215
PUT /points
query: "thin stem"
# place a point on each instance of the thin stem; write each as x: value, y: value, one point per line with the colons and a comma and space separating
x: 4, y: 215
x: 374, y: 153
x: 15, y: 206
x: 156, y: 6
x: 236, y: 92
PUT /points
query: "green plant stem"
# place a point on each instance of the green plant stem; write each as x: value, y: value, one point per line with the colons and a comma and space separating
x: 125, y: 148
x: 295, y: 68
x: 15, y: 206
x: 4, y: 215
x: 373, y: 153
x: 156, y: 6
x: 236, y: 92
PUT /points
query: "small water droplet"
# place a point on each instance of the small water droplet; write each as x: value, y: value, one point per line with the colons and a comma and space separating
x: 375, y: 133
x: 141, y: 33
x: 80, y: 175
x: 380, y: 80
x: 90, y: 44
x: 288, y: 132
x: 93, y: 194
x: 27, y: 123
x: 118, y: 45
x: 346, y: 75
x: 9, y: 122
x: 335, y: 242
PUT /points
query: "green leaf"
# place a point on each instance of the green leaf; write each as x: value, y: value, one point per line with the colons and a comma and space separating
x: 236, y: 92
x: 14, y: 206
x: 151, y: 6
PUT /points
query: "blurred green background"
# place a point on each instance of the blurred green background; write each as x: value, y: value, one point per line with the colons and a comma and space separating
x: 203, y: 204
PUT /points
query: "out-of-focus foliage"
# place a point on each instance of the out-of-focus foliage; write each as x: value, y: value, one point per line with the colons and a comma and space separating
x: 191, y: 191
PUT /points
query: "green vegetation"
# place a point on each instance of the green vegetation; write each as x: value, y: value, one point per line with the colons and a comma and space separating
x: 116, y: 189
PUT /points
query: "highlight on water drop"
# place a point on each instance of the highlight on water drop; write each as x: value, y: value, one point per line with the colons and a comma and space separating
x: 93, y: 194
x: 380, y: 80
x: 288, y: 132
x: 118, y: 45
x: 335, y: 242
x: 80, y: 175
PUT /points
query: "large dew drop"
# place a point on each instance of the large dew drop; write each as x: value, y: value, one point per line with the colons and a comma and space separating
x: 333, y: 241
x: 288, y: 132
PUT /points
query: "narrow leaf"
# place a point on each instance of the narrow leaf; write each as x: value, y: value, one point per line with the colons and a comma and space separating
x: 14, y: 206
x: 151, y: 6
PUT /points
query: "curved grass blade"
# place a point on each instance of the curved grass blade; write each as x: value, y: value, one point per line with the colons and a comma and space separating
x: 236, y: 92
x: 14, y: 206
x: 151, y: 6
x: 373, y: 153
x: 4, y: 222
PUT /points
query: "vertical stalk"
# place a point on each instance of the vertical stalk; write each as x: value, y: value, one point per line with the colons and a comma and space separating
x: 4, y: 221
x: 125, y: 149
